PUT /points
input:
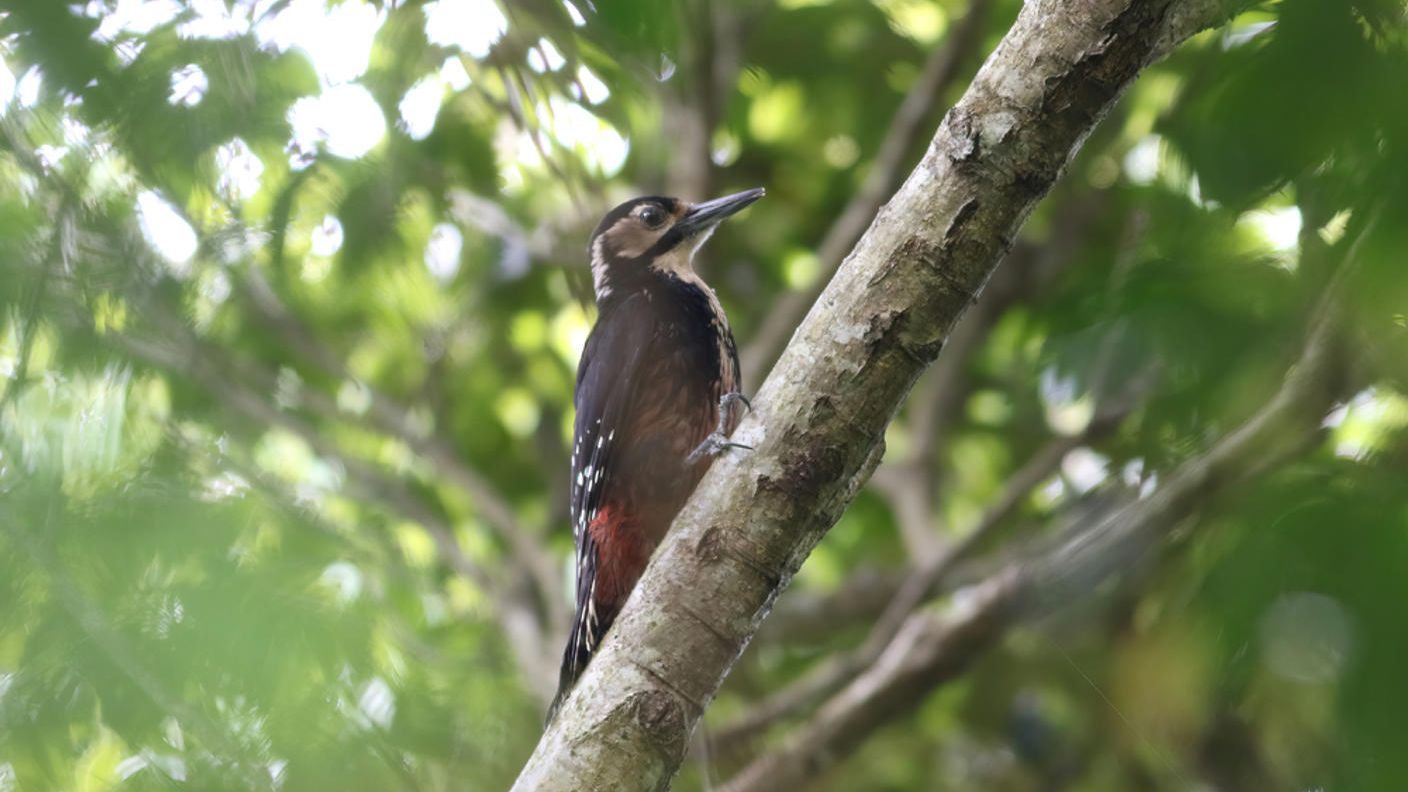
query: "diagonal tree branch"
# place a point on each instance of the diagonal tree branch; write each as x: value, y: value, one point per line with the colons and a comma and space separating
x: 818, y: 426
x: 909, y: 484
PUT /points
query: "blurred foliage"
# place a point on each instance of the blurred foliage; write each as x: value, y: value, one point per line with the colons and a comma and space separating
x: 292, y: 293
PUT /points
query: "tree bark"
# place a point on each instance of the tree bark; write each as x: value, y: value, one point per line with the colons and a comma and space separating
x: 817, y: 430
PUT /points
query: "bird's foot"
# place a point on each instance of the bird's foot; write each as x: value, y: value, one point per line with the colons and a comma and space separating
x: 717, y: 442
x: 727, y: 400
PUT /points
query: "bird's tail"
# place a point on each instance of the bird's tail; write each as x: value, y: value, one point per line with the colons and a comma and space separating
x: 589, y: 626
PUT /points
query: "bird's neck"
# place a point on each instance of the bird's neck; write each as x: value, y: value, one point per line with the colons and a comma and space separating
x: 663, y: 275
x: 671, y: 292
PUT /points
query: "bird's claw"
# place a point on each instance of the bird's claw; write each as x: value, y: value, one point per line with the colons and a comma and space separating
x: 716, y: 443
x: 727, y: 400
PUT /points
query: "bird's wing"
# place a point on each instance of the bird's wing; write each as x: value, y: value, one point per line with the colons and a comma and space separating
x: 606, y: 384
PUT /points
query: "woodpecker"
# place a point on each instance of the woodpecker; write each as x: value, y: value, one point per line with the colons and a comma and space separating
x: 657, y: 397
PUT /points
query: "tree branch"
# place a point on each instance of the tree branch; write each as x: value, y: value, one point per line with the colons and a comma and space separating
x: 909, y: 484
x: 929, y: 649
x: 919, y: 585
x: 819, y: 420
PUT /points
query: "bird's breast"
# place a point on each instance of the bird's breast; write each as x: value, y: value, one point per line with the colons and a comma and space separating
x: 688, y: 365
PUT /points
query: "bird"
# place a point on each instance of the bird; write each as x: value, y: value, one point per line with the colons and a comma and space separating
x: 657, y: 397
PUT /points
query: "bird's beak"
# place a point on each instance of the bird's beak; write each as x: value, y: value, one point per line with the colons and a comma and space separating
x: 704, y: 216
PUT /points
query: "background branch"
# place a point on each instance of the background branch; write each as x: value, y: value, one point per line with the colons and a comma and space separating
x: 515, y: 611
x: 929, y: 649
x: 528, y: 613
x: 918, y: 586
x: 525, y: 546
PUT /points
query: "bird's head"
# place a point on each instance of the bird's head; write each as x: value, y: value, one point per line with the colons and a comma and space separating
x: 655, y: 236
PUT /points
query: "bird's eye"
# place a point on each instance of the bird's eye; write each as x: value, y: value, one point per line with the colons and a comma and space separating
x: 652, y: 217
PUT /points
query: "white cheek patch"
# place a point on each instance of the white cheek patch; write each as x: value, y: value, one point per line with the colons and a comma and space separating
x: 634, y: 240
x: 676, y: 261
x: 599, y: 274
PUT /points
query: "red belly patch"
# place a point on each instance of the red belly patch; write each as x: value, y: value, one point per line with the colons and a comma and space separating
x: 622, y: 553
